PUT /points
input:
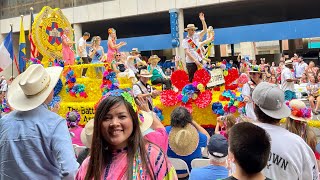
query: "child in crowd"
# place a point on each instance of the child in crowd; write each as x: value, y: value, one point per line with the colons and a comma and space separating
x: 224, y: 124
x: 73, y: 119
x: 313, y: 93
x: 304, y: 79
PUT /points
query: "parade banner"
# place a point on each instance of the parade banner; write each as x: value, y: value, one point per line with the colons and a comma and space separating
x: 217, y: 77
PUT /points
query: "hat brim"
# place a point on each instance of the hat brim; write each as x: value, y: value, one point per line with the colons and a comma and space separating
x: 153, y: 59
x: 186, y: 29
x: 194, y: 141
x: 146, y: 76
x: 298, y: 118
x: 134, y: 52
x: 283, y: 112
x: 148, y: 120
x: 19, y: 101
x: 83, y: 135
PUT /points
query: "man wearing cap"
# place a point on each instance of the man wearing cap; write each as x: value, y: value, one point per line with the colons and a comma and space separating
x: 191, y: 47
x: 35, y: 142
x: 134, y: 60
x: 290, y: 156
x: 218, y: 151
x: 287, y: 81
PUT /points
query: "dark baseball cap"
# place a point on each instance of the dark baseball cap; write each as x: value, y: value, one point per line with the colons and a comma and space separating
x: 218, y: 146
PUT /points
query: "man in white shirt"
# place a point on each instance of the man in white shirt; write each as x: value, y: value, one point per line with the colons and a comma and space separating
x: 287, y: 81
x: 290, y: 157
x: 133, y: 61
x: 300, y: 67
x: 191, y: 47
x: 82, y: 51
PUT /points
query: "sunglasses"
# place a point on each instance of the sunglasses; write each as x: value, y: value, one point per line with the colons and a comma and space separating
x: 118, y: 55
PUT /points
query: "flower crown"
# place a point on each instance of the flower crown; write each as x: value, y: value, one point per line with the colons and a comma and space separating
x: 126, y: 96
x: 111, y: 30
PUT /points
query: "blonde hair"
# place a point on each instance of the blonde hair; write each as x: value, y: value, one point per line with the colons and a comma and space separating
x: 229, y: 121
x: 95, y: 39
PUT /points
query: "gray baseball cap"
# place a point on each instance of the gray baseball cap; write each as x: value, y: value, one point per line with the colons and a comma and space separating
x: 218, y: 146
x: 271, y: 101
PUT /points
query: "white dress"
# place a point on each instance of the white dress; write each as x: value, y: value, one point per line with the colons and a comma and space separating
x: 247, y: 91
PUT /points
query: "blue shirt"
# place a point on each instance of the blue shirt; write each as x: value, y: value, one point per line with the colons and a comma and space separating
x: 196, y: 154
x: 36, y: 144
x: 210, y: 172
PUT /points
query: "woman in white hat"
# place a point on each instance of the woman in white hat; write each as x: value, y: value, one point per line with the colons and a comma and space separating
x: 297, y: 123
x: 186, y: 137
x: 158, y: 77
x: 255, y: 78
x: 35, y: 142
x: 118, y: 150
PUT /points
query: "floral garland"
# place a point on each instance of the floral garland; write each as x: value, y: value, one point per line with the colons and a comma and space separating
x: 71, y: 87
x: 73, y: 118
x: 109, y: 82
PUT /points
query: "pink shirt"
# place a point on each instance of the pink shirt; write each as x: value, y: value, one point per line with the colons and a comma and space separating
x: 159, y: 137
x: 111, y: 52
x: 76, y: 139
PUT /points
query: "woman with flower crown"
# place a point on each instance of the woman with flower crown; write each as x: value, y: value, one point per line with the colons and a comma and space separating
x: 112, y: 45
x: 255, y: 79
x: 118, y: 149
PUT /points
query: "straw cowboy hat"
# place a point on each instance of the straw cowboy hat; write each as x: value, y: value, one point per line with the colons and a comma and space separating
x: 298, y: 105
x: 31, y: 88
x: 87, y: 133
x: 190, y: 26
x: 184, y: 141
x: 145, y: 120
x: 145, y: 73
x: 288, y: 62
x: 134, y: 50
x: 154, y: 58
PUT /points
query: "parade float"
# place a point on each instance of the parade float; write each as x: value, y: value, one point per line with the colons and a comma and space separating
x: 212, y: 93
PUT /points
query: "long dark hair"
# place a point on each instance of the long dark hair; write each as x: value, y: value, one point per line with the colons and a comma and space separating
x: 100, y: 157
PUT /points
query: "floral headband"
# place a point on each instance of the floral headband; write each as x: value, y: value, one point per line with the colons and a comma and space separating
x: 126, y: 96
x: 111, y: 30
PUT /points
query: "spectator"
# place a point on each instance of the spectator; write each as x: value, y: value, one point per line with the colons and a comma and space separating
x: 191, y: 47
x: 218, y: 151
x: 313, y: 93
x: 304, y: 78
x: 225, y: 123
x: 82, y: 51
x: 118, y: 149
x: 186, y: 137
x: 300, y: 162
x: 35, y: 142
x: 287, y: 81
x: 73, y: 119
x: 143, y: 89
x: 248, y: 151
x: 297, y: 123
x: 86, y: 139
x: 262, y: 64
x: 158, y: 77
x: 300, y: 67
x: 311, y: 68
x: 152, y: 129
x: 273, y: 80
x: 255, y: 79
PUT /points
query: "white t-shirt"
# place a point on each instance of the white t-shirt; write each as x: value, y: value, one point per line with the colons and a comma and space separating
x: 287, y: 74
x: 132, y: 62
x: 186, y: 45
x: 290, y: 157
x: 300, y: 68
x: 83, y: 44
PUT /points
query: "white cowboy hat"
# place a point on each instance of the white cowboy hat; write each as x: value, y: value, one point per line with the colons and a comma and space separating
x: 31, y: 88
x: 288, y: 62
x: 154, y: 58
x: 190, y: 26
x: 134, y: 50
x: 145, y: 73
x: 145, y: 120
x: 87, y: 133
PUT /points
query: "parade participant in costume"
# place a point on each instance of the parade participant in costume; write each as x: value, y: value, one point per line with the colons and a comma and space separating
x: 119, y: 66
x: 224, y: 124
x: 73, y: 119
x: 133, y: 61
x: 143, y: 89
x: 191, y: 47
x: 313, y: 88
x: 151, y: 128
x: 299, y: 162
x: 118, y: 149
x: 67, y: 52
x: 113, y: 47
x: 209, y: 43
x: 35, y: 142
x: 297, y: 123
x: 287, y: 81
x: 82, y: 51
x: 96, y: 53
x: 186, y: 137
x: 255, y: 79
x: 158, y: 77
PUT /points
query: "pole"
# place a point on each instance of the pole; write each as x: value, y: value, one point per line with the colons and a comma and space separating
x: 11, y: 27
